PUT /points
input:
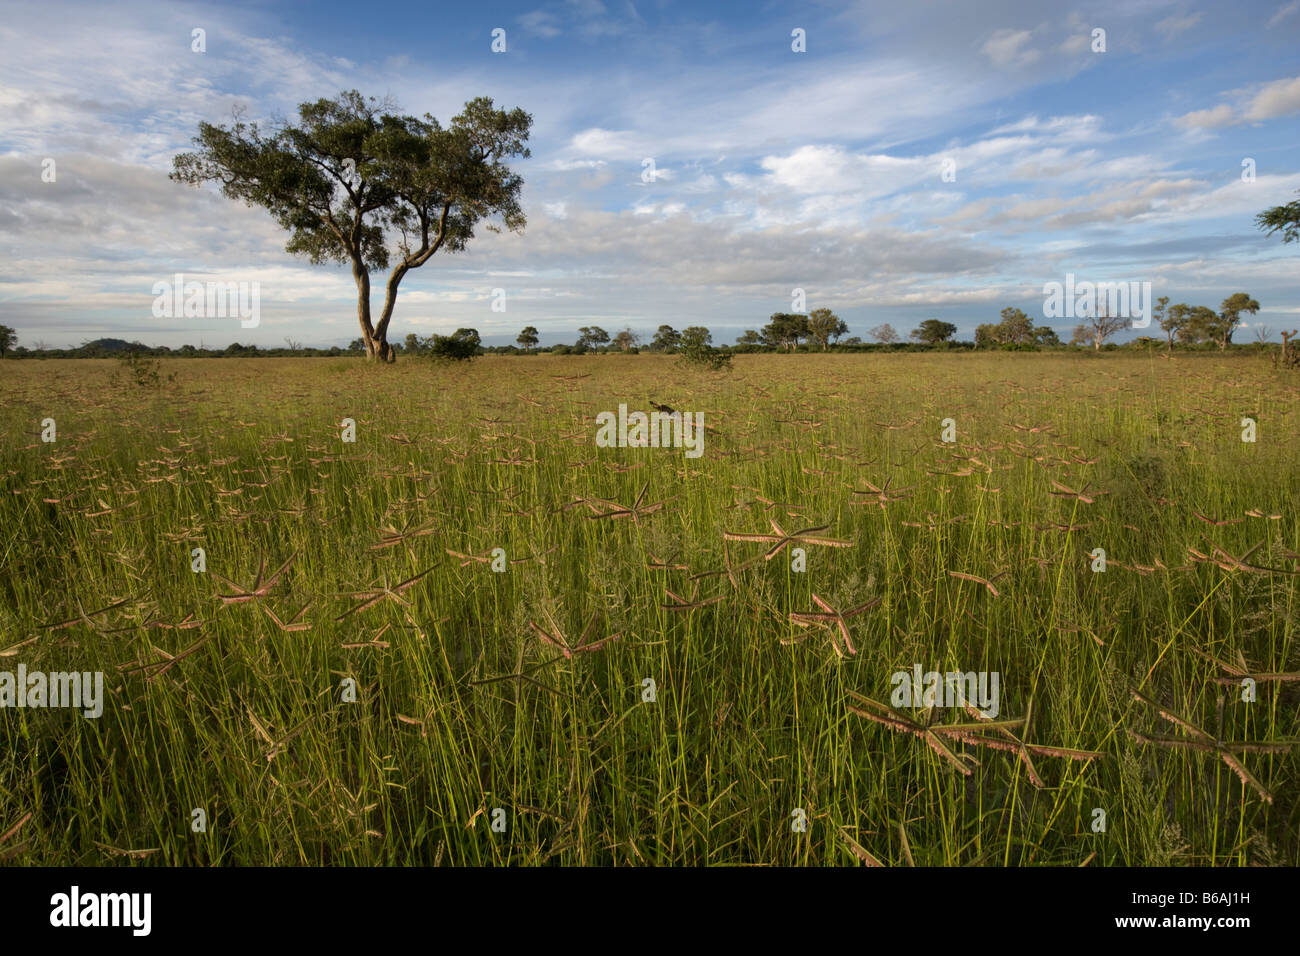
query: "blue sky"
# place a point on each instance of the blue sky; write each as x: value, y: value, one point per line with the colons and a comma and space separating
x: 775, y: 170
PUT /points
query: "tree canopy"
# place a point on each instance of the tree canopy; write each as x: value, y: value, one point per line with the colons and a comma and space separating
x: 825, y: 326
x: 666, y: 339
x: 934, y: 331
x: 1284, y: 219
x: 528, y: 338
x: 461, y: 345
x: 785, y: 330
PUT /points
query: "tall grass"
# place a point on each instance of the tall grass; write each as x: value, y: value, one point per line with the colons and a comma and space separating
x: 461, y: 708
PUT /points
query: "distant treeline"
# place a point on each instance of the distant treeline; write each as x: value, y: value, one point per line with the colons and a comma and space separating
x: 120, y: 348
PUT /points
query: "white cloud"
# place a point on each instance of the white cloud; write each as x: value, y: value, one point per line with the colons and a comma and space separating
x: 565, y: 165
x: 1072, y: 128
x: 1215, y: 118
x: 610, y: 144
x: 701, y: 184
x: 541, y: 23
x: 1283, y: 12
x: 1009, y: 48
x: 1178, y: 23
x: 1076, y: 43
x: 589, y: 19
x: 1279, y: 98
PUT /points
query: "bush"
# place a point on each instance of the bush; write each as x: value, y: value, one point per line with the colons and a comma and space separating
x: 694, y: 350
x: 142, y: 371
x: 460, y: 346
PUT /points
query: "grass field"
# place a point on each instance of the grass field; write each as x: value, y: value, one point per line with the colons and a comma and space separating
x: 229, y: 692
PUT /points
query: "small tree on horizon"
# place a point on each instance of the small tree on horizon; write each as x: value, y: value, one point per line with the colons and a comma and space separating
x: 1198, y: 325
x: 591, y: 336
x: 934, y: 331
x: 626, y: 339
x: 1016, y: 328
x: 884, y: 334
x: 1228, y: 319
x: 528, y: 338
x: 1099, y: 327
x: 824, y: 325
x: 8, y: 338
x: 1046, y: 335
x: 1173, y: 322
x: 785, y: 330
x: 1158, y: 311
x: 666, y: 339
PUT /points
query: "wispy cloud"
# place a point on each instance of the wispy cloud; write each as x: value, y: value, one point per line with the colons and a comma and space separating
x: 1272, y: 100
x: 1284, y: 11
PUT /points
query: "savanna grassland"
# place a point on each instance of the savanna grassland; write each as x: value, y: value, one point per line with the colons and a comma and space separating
x: 332, y: 565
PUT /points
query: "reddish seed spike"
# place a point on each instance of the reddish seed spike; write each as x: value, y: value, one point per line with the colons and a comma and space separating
x: 848, y: 644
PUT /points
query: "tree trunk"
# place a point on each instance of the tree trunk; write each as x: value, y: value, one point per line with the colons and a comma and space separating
x: 361, y: 275
x: 379, y: 340
x: 375, y: 338
x: 382, y: 349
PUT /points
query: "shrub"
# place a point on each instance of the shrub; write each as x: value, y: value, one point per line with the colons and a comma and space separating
x: 460, y: 346
x: 140, y: 370
x: 695, y: 350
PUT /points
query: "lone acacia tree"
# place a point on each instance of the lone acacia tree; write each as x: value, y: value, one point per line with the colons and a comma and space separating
x: 1284, y: 218
x: 351, y: 180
